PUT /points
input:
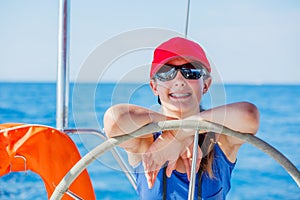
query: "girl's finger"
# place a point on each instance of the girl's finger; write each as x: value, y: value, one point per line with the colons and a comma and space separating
x: 199, y: 158
x: 170, y: 168
x: 187, y: 167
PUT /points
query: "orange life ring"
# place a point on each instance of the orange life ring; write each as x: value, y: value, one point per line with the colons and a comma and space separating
x: 45, y: 151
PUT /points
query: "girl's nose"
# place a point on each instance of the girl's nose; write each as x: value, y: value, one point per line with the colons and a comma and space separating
x: 179, y: 80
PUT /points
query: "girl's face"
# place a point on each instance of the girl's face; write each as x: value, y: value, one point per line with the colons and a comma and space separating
x: 180, y: 97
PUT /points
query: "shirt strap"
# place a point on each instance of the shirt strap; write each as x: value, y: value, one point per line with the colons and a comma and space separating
x: 164, y: 184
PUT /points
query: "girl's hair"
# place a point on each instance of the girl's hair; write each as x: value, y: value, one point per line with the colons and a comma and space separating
x: 206, y: 143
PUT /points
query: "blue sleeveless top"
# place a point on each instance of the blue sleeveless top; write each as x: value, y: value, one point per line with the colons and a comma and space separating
x: 215, y: 188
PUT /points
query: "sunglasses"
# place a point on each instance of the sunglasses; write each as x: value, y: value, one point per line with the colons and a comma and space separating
x: 192, y: 71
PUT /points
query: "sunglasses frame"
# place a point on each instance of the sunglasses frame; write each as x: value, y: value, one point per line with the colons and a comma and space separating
x: 187, y: 70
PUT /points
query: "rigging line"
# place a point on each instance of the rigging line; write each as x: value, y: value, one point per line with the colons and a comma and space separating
x: 187, y: 19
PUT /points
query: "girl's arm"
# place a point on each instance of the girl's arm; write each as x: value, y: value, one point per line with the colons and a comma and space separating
x: 242, y: 116
x: 125, y: 118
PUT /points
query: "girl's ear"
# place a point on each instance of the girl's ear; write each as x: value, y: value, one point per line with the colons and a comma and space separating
x: 153, y: 86
x: 206, y: 84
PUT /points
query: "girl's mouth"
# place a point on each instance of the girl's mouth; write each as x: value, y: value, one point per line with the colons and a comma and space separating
x: 180, y: 95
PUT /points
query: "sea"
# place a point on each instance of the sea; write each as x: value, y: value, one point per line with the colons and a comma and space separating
x: 256, y: 175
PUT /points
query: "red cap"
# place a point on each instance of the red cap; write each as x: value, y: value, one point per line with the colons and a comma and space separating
x: 178, y: 47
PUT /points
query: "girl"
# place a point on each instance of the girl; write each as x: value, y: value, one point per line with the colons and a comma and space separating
x: 179, y: 76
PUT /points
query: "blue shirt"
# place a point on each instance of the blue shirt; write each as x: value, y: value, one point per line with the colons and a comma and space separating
x: 178, y: 184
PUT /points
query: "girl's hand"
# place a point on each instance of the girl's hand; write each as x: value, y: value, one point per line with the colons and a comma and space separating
x: 164, y: 149
x: 187, y: 157
x: 169, y: 149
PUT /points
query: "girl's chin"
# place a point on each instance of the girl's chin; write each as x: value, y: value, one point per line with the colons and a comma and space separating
x: 181, y: 109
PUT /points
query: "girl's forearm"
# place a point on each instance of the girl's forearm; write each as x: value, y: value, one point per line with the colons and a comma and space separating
x: 241, y: 116
x: 125, y: 118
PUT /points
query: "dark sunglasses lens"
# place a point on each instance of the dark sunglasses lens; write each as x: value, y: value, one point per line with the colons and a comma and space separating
x: 191, y: 73
x: 166, y: 73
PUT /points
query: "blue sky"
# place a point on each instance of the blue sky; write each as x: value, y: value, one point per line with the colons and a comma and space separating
x: 250, y: 41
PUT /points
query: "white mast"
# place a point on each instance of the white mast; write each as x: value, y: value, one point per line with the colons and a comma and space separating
x: 62, y: 85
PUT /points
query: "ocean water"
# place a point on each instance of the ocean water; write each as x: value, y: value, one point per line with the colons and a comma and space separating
x: 256, y: 175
